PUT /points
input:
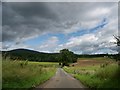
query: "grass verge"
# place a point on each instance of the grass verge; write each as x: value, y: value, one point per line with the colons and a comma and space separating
x: 107, y: 77
x: 22, y: 74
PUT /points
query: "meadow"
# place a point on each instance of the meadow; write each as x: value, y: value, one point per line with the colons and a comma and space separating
x: 26, y: 74
x: 96, y: 72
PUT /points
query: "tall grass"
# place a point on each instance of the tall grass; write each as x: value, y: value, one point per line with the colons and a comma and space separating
x: 20, y: 74
x: 107, y: 77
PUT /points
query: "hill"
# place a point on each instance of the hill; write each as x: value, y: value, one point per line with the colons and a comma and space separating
x: 25, y: 54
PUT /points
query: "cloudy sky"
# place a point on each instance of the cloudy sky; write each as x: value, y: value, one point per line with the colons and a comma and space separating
x: 82, y: 27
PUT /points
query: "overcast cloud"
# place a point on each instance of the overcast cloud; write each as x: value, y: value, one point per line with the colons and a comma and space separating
x: 23, y: 21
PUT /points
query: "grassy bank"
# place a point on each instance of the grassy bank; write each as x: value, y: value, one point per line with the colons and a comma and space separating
x: 25, y: 74
x: 97, y: 76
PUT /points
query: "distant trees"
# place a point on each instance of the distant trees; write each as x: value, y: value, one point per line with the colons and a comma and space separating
x: 67, y: 57
x: 64, y: 57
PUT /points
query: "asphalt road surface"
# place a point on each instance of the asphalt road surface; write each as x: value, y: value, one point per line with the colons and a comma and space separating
x: 62, y: 80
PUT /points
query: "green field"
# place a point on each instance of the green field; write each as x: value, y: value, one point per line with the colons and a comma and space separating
x: 26, y: 74
x: 95, y: 58
x: 97, y: 76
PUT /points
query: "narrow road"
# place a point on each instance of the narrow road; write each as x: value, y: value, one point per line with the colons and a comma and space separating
x: 62, y: 80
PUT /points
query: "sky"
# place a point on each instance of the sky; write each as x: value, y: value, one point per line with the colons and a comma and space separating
x: 82, y: 27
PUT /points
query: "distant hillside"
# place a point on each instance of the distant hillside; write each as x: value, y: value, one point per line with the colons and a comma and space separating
x: 25, y: 54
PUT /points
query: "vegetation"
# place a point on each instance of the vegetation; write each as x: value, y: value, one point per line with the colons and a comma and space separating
x: 26, y: 74
x: 30, y: 55
x: 106, y: 58
x: 95, y: 55
x: 19, y: 70
x: 66, y: 57
x: 95, y: 76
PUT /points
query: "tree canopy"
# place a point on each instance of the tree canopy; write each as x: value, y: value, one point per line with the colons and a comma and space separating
x: 67, y: 56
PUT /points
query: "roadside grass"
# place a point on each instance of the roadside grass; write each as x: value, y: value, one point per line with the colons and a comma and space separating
x: 96, y: 76
x: 25, y: 74
x: 81, y: 69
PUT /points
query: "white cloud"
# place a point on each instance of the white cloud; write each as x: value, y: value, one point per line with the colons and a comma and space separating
x: 99, y: 12
x: 9, y: 46
x: 0, y: 45
x: 49, y: 45
x: 79, y: 43
x: 101, y: 41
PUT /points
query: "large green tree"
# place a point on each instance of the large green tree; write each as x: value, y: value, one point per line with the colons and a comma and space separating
x: 67, y: 57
